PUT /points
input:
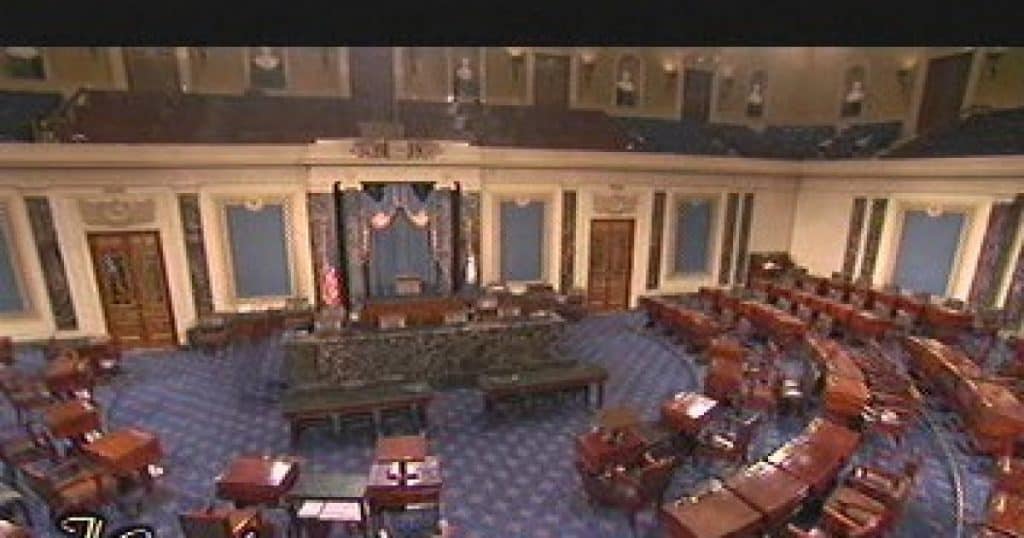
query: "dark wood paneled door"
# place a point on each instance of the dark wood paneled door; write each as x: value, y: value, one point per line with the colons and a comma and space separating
x: 551, y: 80
x: 696, y: 95
x: 130, y: 273
x: 611, y: 264
x: 152, y: 69
x: 373, y: 82
x: 944, y: 90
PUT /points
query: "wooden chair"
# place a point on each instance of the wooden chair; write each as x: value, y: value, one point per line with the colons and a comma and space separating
x: 224, y: 523
x: 25, y: 393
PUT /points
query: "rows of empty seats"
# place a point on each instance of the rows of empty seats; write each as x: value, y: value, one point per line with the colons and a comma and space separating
x: 18, y: 111
x: 992, y: 133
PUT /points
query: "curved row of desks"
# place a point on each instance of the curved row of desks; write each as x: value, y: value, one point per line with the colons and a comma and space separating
x: 765, y: 494
x: 697, y: 327
x: 994, y: 417
x: 943, y: 319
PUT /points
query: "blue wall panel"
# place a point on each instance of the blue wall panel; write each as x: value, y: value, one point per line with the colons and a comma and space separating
x: 693, y: 237
x: 258, y: 251
x: 522, y: 237
x: 927, y: 249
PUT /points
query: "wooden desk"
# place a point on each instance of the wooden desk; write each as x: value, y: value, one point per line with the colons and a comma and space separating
x: 401, y: 448
x: 845, y: 397
x: 72, y: 419
x: 783, y: 326
x: 1006, y: 513
x: 303, y: 407
x: 418, y: 311
x: 770, y: 490
x: 720, y: 513
x: 615, y: 419
x: 868, y: 325
x: 817, y: 455
x: 688, y: 412
x: 127, y: 453
x: 250, y: 480
x: 328, y: 488
x: 599, y: 450
x: 588, y: 377
x: 385, y: 492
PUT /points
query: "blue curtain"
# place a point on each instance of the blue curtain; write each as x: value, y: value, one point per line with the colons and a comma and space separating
x: 522, y: 236
x: 693, y: 235
x: 258, y: 251
x: 927, y: 249
x: 399, y: 249
x: 10, y: 295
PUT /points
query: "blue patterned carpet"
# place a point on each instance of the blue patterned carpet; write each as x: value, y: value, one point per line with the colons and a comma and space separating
x: 505, y: 475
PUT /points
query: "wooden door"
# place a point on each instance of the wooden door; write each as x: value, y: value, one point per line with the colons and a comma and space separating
x: 696, y: 95
x: 130, y: 274
x: 551, y: 80
x: 611, y: 264
x: 372, y: 81
x: 943, y: 92
x: 151, y: 68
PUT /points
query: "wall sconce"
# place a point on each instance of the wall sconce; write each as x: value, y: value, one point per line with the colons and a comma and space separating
x: 517, y: 54
x: 670, y: 67
x: 588, y: 57
x: 933, y: 211
x: 728, y: 75
x: 993, y: 55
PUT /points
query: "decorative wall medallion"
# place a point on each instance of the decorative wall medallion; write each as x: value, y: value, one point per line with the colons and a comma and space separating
x: 617, y: 204
x: 399, y: 150
x: 117, y: 212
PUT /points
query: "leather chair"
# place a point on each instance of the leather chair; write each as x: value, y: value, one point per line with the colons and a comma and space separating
x: 732, y: 445
x: 792, y: 531
x: 6, y: 350
x: 71, y: 485
x: 631, y: 492
x: 224, y: 523
x: 851, y: 522
x: 23, y: 448
x: 25, y: 393
x: 105, y: 358
x: 892, y: 489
